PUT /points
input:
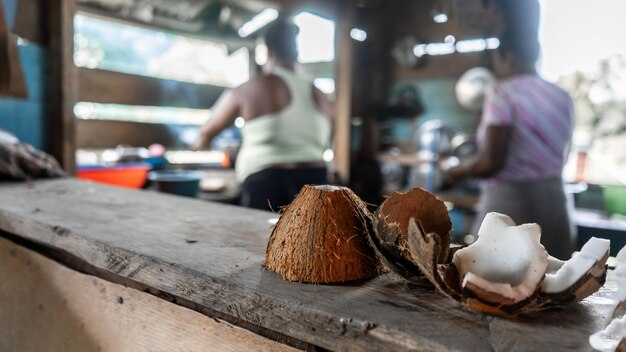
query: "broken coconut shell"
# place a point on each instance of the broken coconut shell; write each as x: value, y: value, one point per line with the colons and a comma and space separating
x: 579, y: 277
x: 391, y: 238
x: 611, y: 338
x: 428, y: 253
x: 321, y: 238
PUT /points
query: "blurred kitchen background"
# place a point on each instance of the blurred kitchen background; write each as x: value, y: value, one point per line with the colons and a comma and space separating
x: 117, y: 88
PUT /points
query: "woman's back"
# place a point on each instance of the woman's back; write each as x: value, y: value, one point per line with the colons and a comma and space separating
x: 540, y: 115
x: 284, y: 123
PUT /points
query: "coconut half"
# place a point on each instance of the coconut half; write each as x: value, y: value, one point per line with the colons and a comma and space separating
x: 579, y: 277
x: 612, y: 338
x: 505, y: 265
x: 320, y: 238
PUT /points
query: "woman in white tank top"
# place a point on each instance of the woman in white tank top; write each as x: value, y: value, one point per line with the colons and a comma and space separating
x: 287, y: 126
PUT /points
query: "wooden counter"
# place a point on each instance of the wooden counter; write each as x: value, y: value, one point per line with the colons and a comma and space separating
x: 207, y: 257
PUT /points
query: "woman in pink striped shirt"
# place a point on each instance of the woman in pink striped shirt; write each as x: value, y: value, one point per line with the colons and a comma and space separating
x: 524, y: 137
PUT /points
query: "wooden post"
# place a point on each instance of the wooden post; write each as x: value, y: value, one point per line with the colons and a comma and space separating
x: 345, y: 51
x: 61, y: 136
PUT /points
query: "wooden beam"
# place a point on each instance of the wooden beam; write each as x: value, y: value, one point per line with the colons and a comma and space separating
x: 343, y: 112
x: 89, y: 134
x: 11, y: 73
x: 101, y: 86
x: 63, y: 85
x: 31, y: 21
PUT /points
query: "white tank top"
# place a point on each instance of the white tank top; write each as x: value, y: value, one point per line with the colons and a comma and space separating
x: 298, y: 133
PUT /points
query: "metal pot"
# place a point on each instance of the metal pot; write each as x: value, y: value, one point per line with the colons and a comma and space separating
x: 435, y: 137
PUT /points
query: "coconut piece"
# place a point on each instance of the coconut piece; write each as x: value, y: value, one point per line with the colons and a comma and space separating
x: 620, y: 297
x: 579, y: 277
x: 320, y: 238
x: 612, y: 338
x: 620, y: 274
x: 425, y: 249
x: 621, y: 256
x: 393, y: 218
x: 506, y: 264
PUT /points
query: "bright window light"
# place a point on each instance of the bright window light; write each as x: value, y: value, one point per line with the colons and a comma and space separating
x: 358, y: 34
x: 440, y: 18
x: 257, y: 22
x: 328, y: 155
x: 439, y: 49
x: 599, y: 38
x: 118, y: 47
x: 493, y: 43
x: 260, y: 54
x: 470, y: 45
x: 419, y: 50
x: 450, y: 39
x: 326, y: 85
x: 316, y: 40
x: 240, y: 122
x: 136, y: 113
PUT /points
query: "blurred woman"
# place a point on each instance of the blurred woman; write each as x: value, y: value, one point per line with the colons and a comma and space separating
x: 524, y: 137
x: 287, y: 126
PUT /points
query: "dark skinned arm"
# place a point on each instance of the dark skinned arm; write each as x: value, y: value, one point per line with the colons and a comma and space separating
x: 490, y: 158
x: 223, y: 114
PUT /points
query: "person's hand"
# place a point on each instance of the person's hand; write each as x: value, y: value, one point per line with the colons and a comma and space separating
x: 199, y: 145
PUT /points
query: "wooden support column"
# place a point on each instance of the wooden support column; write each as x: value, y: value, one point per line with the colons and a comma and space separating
x: 345, y: 52
x: 61, y: 137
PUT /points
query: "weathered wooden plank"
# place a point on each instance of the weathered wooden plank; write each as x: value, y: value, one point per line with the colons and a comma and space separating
x: 120, y: 88
x: 211, y: 255
x: 69, y: 311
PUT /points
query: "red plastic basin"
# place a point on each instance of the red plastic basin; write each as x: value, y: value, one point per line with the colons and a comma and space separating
x: 127, y: 175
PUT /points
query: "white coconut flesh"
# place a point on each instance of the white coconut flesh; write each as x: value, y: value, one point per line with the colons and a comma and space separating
x: 506, y: 260
x: 559, y: 279
x: 620, y: 274
x: 608, y: 339
x: 330, y: 188
x: 621, y: 256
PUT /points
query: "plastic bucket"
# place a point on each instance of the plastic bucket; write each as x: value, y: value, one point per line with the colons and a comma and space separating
x: 614, y: 199
x: 180, y: 182
x: 132, y: 175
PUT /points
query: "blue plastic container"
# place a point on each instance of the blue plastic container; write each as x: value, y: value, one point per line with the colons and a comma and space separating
x: 180, y: 182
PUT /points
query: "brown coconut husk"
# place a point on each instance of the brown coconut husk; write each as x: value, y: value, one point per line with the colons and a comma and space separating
x: 426, y: 253
x: 584, y: 287
x: 392, y: 224
x: 321, y: 238
x: 622, y: 346
x: 620, y: 310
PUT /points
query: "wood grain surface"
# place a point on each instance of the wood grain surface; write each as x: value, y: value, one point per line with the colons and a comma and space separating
x: 48, y: 307
x: 211, y: 255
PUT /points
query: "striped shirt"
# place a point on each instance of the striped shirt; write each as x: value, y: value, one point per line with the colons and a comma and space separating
x: 541, y: 118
